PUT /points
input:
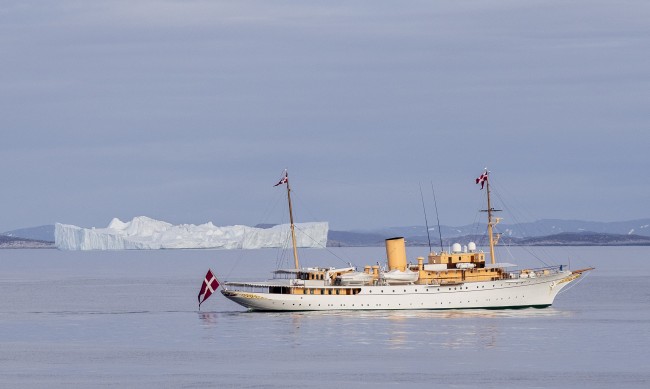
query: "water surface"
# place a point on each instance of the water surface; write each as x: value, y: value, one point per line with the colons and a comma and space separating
x: 130, y: 319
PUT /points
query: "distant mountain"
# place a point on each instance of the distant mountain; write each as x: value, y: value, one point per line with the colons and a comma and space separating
x: 9, y: 242
x: 358, y: 239
x: 542, y: 227
x: 42, y: 233
x: 540, y: 232
x: 585, y: 238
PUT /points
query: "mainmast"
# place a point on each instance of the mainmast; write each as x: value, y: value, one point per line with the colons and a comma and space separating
x: 491, y: 222
x: 285, y: 180
x: 490, y: 225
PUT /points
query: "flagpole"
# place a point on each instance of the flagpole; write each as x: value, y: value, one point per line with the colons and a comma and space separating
x: 293, y: 229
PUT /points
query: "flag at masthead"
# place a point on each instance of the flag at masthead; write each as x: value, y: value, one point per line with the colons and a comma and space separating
x: 482, y: 179
x: 284, y: 180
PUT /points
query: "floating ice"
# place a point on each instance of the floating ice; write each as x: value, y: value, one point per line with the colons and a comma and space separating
x: 149, y: 234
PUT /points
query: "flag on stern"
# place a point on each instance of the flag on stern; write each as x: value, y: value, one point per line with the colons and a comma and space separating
x: 481, y: 180
x: 284, y: 180
x: 210, y: 284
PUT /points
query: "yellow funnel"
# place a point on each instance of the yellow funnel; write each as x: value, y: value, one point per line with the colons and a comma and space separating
x: 396, y: 253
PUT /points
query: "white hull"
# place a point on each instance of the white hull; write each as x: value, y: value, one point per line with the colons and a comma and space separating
x: 536, y: 292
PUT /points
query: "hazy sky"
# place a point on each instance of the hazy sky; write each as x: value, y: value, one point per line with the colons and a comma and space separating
x: 188, y: 111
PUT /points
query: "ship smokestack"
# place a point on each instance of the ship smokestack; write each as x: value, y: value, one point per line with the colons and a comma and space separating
x: 396, y: 253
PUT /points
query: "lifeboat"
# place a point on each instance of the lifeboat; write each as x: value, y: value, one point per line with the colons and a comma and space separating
x: 354, y: 278
x: 394, y: 277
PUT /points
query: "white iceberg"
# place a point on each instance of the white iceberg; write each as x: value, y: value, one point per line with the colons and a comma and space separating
x: 148, y: 234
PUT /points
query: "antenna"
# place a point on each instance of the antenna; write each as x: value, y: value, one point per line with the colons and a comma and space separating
x: 425, y: 216
x: 437, y: 217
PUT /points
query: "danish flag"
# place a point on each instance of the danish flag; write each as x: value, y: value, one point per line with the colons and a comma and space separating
x: 284, y: 179
x: 481, y: 180
x: 210, y: 284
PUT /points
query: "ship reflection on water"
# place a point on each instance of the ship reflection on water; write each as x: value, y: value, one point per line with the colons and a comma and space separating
x: 453, y: 329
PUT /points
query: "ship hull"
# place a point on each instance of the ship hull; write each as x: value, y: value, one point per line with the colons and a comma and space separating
x: 511, y: 293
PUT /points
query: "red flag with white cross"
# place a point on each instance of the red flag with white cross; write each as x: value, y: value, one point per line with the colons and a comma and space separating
x: 284, y: 179
x: 481, y: 180
x: 210, y: 284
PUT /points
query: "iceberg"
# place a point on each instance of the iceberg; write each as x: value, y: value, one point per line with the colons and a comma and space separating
x: 143, y: 233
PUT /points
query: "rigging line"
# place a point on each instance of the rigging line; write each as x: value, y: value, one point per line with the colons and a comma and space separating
x: 324, y: 247
x: 234, y: 265
x: 305, y: 209
x: 517, y: 221
x: 532, y: 253
x: 529, y: 251
x: 270, y: 207
x: 282, y: 252
x: 581, y: 261
x: 576, y: 283
x: 482, y: 235
x: 426, y: 222
x: 282, y: 256
x: 435, y: 203
x: 507, y: 248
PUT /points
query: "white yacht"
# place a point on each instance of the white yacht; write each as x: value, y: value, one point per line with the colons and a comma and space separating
x: 458, y: 279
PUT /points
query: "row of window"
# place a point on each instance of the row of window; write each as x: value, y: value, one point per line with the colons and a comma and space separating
x: 311, y: 276
x: 352, y: 291
x: 335, y: 291
x: 410, y: 304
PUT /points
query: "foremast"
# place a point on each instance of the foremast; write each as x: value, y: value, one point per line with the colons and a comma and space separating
x: 285, y: 180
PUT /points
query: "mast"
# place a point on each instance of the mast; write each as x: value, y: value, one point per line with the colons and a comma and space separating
x: 491, y: 221
x: 426, y: 222
x: 437, y: 216
x: 293, y: 228
x: 483, y: 179
x: 489, y: 212
x: 285, y: 180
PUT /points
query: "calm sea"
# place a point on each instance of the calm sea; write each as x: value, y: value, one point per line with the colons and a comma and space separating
x: 130, y: 319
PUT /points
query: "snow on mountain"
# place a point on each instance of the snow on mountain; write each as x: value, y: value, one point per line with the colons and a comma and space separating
x: 150, y: 234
